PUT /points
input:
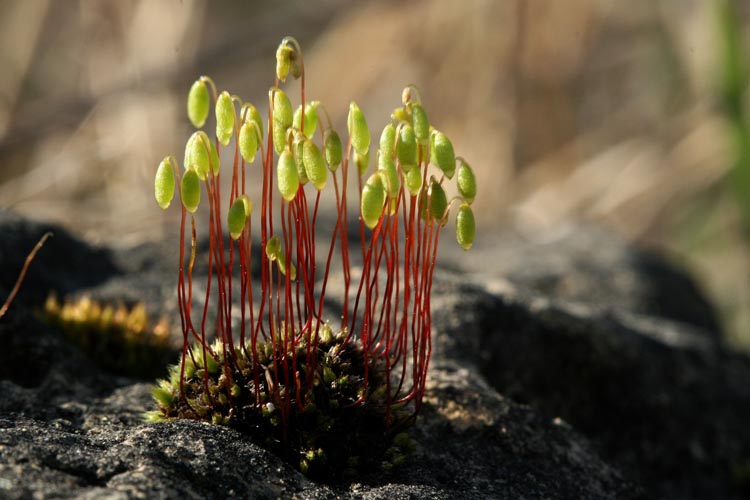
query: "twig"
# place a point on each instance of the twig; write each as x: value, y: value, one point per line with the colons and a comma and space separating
x: 21, y: 276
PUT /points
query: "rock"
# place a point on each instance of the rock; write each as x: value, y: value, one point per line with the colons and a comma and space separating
x: 611, y: 353
x: 70, y: 429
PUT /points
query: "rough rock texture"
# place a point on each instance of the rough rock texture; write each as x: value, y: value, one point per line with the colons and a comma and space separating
x: 643, y: 400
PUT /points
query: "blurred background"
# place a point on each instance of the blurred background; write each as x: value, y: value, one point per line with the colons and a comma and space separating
x: 629, y: 115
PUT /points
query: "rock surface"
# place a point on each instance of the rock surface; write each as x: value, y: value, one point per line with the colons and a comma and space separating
x: 531, y: 395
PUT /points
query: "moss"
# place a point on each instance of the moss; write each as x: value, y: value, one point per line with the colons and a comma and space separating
x: 118, y: 338
x: 326, y: 435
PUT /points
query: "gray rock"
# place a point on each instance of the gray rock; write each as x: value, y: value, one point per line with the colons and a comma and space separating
x: 69, y: 429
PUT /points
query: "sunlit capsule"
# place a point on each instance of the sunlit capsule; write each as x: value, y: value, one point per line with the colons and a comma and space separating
x: 333, y: 149
x: 237, y: 216
x: 467, y: 184
x: 299, y: 161
x: 278, y: 132
x: 197, y: 153
x: 253, y: 114
x: 442, y: 153
x: 191, y: 190
x: 413, y: 181
x: 198, y: 103
x: 465, y: 226
x: 390, y: 174
x: 420, y: 122
x: 283, y: 60
x: 164, y: 183
x: 287, y: 176
x: 387, y: 140
x: 311, y: 118
x: 362, y: 162
x: 406, y: 147
x: 315, y: 165
x: 438, y: 200
x: 358, y: 131
x: 248, y: 141
x: 373, y: 199
x: 401, y: 114
x: 282, y: 109
x: 224, y: 118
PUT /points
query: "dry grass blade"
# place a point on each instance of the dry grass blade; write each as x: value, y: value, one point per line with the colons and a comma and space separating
x: 21, y: 276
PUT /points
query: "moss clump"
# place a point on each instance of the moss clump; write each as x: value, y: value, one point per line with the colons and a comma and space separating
x: 334, y: 431
x: 118, y: 338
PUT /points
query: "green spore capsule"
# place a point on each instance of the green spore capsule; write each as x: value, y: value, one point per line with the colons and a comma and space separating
x: 406, y: 147
x: 373, y: 199
x: 273, y: 248
x: 420, y: 123
x: 299, y: 147
x: 224, y: 118
x: 287, y: 176
x: 253, y: 114
x: 248, y: 141
x: 387, y: 140
x: 387, y: 167
x: 282, y: 109
x: 282, y: 266
x: 413, y: 181
x: 401, y: 114
x: 441, y: 152
x: 362, y: 162
x: 467, y: 183
x: 191, y: 190
x: 197, y: 153
x: 333, y: 150
x: 315, y: 165
x: 358, y: 131
x: 164, y: 183
x: 237, y: 216
x: 311, y: 118
x: 283, y: 60
x: 279, y: 136
x: 465, y: 226
x: 438, y: 200
x: 198, y: 103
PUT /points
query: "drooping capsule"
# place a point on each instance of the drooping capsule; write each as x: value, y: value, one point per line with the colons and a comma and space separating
x: 248, y: 141
x: 358, y: 131
x: 441, y: 153
x: 373, y: 199
x: 438, y: 200
x: 191, y: 190
x: 333, y: 149
x: 311, y: 118
x: 465, y: 226
x: 406, y: 147
x: 282, y: 108
x: 198, y: 103
x: 224, y: 118
x: 413, y: 181
x: 197, y: 153
x: 287, y: 176
x: 362, y: 162
x: 238, y: 215
x: 283, y: 60
x: 253, y: 114
x: 387, y: 140
x: 387, y: 167
x: 467, y: 184
x: 164, y: 183
x: 273, y: 248
x: 299, y: 149
x: 420, y: 122
x: 315, y: 165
